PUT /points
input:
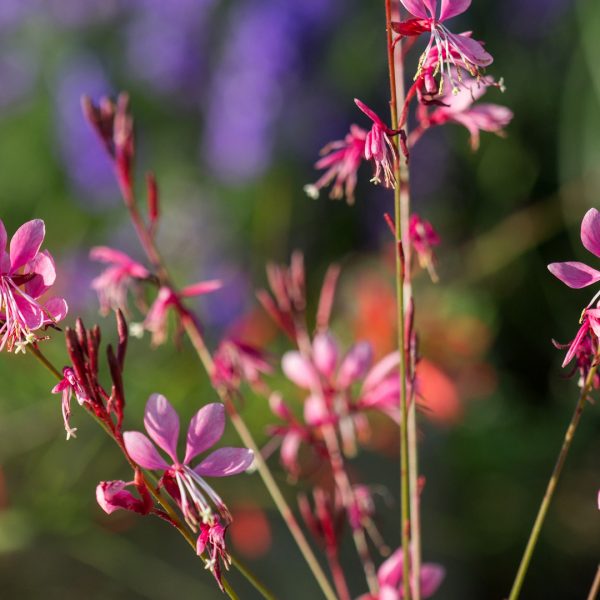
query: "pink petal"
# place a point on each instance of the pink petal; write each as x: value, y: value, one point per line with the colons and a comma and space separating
x: 110, y: 255
x: 225, y: 461
x: 451, y: 8
x: 56, y: 309
x: 289, y: 451
x: 590, y: 231
x: 3, y: 239
x: 142, y: 451
x: 299, y: 370
x: 390, y: 572
x: 418, y: 8
x: 162, y: 424
x: 381, y: 370
x: 43, y: 266
x: 574, y: 274
x: 325, y: 353
x: 315, y: 411
x: 370, y: 113
x: 432, y: 576
x: 202, y: 287
x: 205, y: 430
x: 576, y: 342
x: 31, y: 314
x: 26, y: 243
x: 355, y: 364
x: 472, y: 50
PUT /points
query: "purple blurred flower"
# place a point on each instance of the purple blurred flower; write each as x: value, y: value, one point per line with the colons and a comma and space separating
x: 86, y: 163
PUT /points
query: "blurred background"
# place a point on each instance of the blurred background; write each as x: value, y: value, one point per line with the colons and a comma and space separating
x: 233, y: 100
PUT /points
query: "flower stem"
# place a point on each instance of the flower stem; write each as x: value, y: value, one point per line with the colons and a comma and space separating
x: 595, y: 586
x: 401, y: 176
x: 339, y: 578
x: 553, y: 482
x: 258, y: 585
x: 287, y: 515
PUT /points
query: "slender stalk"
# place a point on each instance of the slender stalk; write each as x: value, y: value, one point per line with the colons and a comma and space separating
x: 339, y: 579
x: 400, y: 173
x: 197, y: 340
x: 258, y: 585
x: 595, y: 586
x: 553, y: 482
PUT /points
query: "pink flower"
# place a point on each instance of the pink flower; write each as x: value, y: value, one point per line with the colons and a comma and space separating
x: 453, y: 50
x: 423, y: 238
x: 156, y: 320
x: 390, y: 578
x: 113, y: 495
x: 186, y: 484
x: 25, y: 275
x: 112, y: 284
x: 341, y: 158
x: 457, y: 107
x: 576, y: 274
x: 331, y: 380
x: 212, y: 540
x: 379, y: 147
x: 236, y: 361
x: 68, y: 386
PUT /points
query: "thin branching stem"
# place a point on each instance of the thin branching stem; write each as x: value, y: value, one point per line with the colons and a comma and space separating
x: 400, y: 172
x: 553, y: 482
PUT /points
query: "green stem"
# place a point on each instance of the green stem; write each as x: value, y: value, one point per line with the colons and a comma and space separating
x: 595, y: 586
x: 258, y: 585
x: 400, y: 173
x: 553, y: 482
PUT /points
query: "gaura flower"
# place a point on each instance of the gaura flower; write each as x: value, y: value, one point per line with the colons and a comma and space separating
x: 236, y: 361
x: 341, y: 158
x: 26, y: 274
x: 68, y: 386
x: 576, y: 274
x: 423, y: 238
x: 113, y: 495
x: 186, y: 484
x: 379, y: 147
x: 457, y: 106
x: 453, y: 50
x: 390, y: 577
x: 156, y: 320
x: 331, y: 379
x: 212, y: 541
x: 112, y: 284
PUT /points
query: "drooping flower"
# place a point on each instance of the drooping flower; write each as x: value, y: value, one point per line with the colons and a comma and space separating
x: 156, y: 320
x: 212, y: 540
x: 236, y: 361
x: 577, y: 274
x: 458, y: 106
x: 68, y: 386
x: 342, y: 159
x: 423, y: 238
x: 390, y: 577
x: 379, y: 147
x: 453, y: 50
x: 26, y: 274
x: 112, y: 284
x: 186, y: 484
